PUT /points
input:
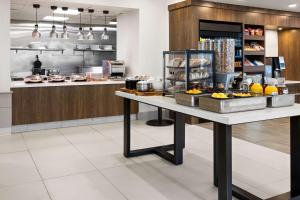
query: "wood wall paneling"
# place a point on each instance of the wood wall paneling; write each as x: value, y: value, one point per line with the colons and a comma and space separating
x: 184, y: 19
x: 289, y: 47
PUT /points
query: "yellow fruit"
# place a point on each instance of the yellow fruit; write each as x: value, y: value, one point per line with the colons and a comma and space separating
x: 194, y: 91
x: 257, y: 88
x: 271, y: 90
x: 219, y: 96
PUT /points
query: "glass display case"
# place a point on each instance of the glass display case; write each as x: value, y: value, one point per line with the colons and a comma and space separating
x: 198, y: 64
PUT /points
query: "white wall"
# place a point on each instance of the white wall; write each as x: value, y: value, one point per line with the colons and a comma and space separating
x: 128, y: 44
x: 271, y: 43
x: 5, y: 46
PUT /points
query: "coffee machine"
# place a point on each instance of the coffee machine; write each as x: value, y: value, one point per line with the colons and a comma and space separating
x: 275, y: 67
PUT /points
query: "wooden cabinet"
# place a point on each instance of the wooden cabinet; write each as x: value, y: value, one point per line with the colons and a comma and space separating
x: 50, y: 104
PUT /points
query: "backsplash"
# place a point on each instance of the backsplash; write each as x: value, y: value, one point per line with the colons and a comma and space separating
x: 68, y: 62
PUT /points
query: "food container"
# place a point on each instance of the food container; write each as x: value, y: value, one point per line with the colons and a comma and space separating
x: 33, y: 79
x: 35, y: 45
x: 78, y: 77
x: 95, y: 47
x: 131, y: 84
x: 187, y: 99
x: 56, y: 78
x: 232, y: 105
x: 281, y: 100
x: 94, y: 76
x: 107, y: 47
x: 143, y: 86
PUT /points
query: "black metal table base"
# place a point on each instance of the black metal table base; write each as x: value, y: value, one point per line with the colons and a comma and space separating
x: 223, y: 164
x: 222, y: 155
x: 159, y: 121
x: 179, y: 139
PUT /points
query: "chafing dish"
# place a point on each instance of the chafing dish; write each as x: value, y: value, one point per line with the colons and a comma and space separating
x: 78, y: 77
x: 187, y: 99
x: 232, y: 105
x: 281, y: 100
x: 56, y: 78
x: 33, y: 79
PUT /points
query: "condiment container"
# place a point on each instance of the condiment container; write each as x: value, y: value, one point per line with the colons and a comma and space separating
x: 143, y: 86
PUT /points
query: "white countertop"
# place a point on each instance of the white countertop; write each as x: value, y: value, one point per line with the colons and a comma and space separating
x: 291, y: 82
x: 230, y: 119
x: 22, y: 84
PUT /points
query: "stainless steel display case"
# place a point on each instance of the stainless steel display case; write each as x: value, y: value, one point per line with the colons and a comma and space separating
x: 199, y: 65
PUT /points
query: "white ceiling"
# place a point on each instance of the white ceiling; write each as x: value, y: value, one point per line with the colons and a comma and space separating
x: 23, y: 10
x: 271, y: 4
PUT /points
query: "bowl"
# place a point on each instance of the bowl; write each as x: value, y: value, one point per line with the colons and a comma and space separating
x: 35, y: 45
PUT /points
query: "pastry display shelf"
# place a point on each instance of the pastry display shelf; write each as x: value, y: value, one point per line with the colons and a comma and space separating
x: 37, y: 49
x: 254, y: 37
x: 191, y: 80
x: 254, y: 53
x: 253, y: 69
x: 191, y: 67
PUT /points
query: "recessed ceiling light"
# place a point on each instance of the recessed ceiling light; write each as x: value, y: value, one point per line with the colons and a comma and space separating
x: 280, y: 28
x: 55, y: 18
x: 292, y: 5
x: 68, y: 12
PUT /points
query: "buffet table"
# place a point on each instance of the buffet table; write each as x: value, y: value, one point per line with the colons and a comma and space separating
x: 222, y: 140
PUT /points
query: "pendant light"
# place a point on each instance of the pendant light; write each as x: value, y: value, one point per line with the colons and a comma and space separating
x: 36, y: 33
x: 80, y: 34
x: 91, y: 35
x: 105, y: 35
x: 53, y: 33
x: 65, y: 33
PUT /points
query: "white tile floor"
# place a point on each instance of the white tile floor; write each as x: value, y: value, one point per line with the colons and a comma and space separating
x: 86, y: 163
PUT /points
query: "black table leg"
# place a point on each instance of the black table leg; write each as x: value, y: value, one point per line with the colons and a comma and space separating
x: 224, y: 160
x: 162, y: 151
x: 126, y: 107
x: 179, y: 137
x: 295, y: 155
x: 215, y: 152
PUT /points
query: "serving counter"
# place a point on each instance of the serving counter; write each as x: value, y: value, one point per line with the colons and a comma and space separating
x: 53, y: 102
x: 222, y: 143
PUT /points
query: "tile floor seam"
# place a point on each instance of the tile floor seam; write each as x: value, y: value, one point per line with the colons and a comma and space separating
x: 38, y: 171
x: 102, y: 174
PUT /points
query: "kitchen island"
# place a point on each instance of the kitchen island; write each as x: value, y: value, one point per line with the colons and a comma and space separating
x: 40, y: 103
x: 222, y: 140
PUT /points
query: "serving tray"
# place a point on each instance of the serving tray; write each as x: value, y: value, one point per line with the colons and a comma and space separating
x: 187, y: 99
x: 233, y: 104
x: 281, y: 100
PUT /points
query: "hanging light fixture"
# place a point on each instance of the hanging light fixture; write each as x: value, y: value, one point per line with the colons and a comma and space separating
x: 105, y: 35
x: 80, y: 34
x: 65, y: 33
x: 36, y: 33
x: 53, y: 33
x: 91, y: 35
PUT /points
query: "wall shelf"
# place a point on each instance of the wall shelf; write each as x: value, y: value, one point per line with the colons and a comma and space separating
x: 95, y: 50
x: 30, y: 49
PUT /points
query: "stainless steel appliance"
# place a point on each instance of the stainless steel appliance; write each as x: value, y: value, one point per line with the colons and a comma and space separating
x: 277, y: 64
x: 114, y: 69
